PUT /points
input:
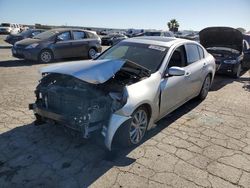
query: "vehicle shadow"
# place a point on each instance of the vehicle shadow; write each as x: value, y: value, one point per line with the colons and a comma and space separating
x: 21, y: 62
x: 222, y: 80
x: 45, y: 155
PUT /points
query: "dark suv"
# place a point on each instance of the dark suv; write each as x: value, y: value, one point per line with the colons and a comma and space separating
x: 226, y: 45
x: 58, y: 43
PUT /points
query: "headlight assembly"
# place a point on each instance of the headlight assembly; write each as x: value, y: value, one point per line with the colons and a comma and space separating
x: 230, y: 61
x: 32, y: 46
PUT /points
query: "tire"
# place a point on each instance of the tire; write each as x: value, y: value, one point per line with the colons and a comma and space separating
x: 237, y: 73
x: 205, y: 88
x: 91, y: 53
x: 46, y: 56
x: 132, y: 133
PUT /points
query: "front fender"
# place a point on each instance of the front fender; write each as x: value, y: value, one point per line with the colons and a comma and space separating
x: 115, y: 123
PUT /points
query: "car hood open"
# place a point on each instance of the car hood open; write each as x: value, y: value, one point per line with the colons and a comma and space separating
x: 221, y: 37
x: 96, y: 71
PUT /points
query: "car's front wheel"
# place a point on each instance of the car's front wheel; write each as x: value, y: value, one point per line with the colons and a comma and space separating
x: 45, y: 56
x: 92, y: 53
x: 205, y: 88
x: 132, y: 133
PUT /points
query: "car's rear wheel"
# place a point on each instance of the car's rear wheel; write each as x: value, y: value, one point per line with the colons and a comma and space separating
x: 237, y: 73
x: 132, y: 133
x: 92, y: 53
x: 45, y: 56
x: 205, y: 88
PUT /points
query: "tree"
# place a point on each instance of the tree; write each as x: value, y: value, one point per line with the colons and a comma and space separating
x: 242, y: 30
x: 173, y: 25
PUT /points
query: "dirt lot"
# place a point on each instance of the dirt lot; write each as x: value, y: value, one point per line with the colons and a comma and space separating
x: 199, y: 145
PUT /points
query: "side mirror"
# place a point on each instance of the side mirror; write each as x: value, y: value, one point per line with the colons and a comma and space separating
x: 59, y: 39
x: 176, y: 71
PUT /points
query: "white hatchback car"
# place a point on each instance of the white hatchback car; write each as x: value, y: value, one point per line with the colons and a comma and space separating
x: 126, y: 89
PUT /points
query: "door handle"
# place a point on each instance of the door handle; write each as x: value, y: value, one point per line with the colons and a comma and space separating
x: 204, y: 65
x: 187, y: 73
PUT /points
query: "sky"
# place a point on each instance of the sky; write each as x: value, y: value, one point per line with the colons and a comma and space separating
x: 124, y: 14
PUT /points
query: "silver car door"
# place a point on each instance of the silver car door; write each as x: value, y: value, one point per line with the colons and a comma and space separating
x: 174, y: 88
x: 194, y: 70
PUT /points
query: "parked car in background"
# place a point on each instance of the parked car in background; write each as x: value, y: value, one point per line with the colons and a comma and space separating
x: 112, y: 39
x: 226, y: 45
x: 134, y: 32
x: 58, y: 43
x: 9, y: 28
x: 13, y: 38
x: 125, y: 90
x: 159, y: 33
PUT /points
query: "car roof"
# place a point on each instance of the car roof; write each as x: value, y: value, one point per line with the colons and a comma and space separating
x: 68, y: 29
x: 60, y: 29
x: 157, y: 40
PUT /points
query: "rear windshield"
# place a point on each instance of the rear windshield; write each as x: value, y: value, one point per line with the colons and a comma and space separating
x: 146, y: 55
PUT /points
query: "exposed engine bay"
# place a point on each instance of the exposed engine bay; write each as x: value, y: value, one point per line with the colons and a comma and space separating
x: 80, y: 105
x: 222, y: 54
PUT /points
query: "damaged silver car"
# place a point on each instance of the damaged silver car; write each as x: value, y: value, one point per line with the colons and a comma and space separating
x: 126, y: 90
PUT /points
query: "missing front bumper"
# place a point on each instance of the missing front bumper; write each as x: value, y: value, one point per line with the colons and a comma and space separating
x: 81, y: 125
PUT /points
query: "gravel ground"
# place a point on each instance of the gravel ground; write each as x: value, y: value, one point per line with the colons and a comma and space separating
x: 203, y: 144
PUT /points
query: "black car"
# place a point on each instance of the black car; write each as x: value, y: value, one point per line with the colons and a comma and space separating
x: 58, y: 43
x: 13, y: 38
x: 226, y: 45
x: 112, y: 39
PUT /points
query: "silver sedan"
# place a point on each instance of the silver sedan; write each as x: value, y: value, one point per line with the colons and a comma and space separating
x: 126, y: 89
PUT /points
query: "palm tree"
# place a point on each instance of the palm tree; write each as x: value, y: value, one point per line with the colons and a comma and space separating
x: 173, y: 25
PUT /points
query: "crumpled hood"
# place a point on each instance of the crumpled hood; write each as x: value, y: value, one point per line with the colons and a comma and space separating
x: 221, y: 37
x: 91, y: 71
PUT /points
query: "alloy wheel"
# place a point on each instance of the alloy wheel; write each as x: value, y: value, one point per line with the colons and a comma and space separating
x: 92, y: 53
x: 206, y: 86
x: 46, y: 56
x: 138, y: 126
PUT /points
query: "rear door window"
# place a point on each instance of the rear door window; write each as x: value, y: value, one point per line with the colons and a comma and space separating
x: 92, y: 35
x: 201, y: 52
x: 79, y: 35
x: 192, y: 53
